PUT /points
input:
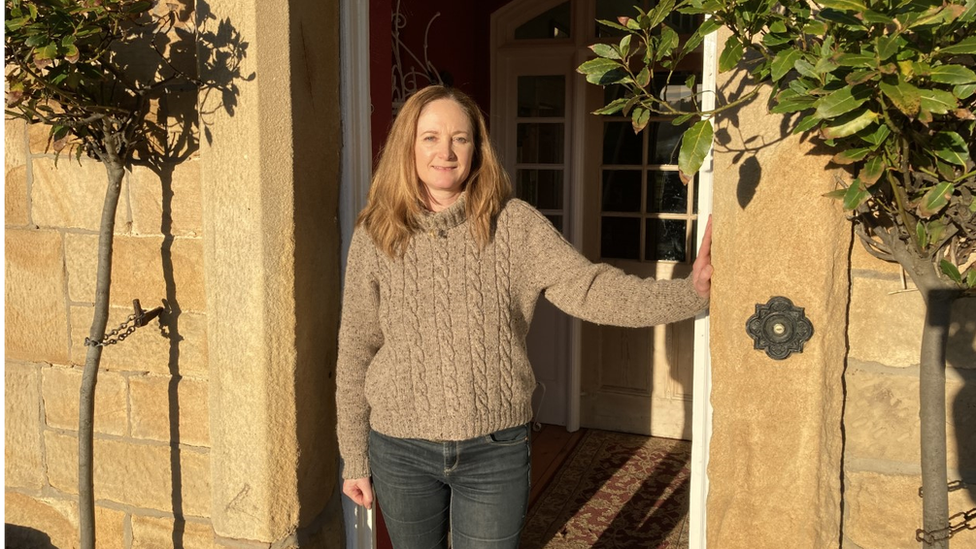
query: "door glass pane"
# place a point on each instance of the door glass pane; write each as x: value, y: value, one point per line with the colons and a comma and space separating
x: 665, y: 240
x: 541, y: 188
x: 621, y: 191
x: 620, y: 144
x: 539, y: 143
x: 541, y: 95
x: 666, y: 193
x: 662, y: 143
x: 620, y: 238
x: 551, y: 24
x: 556, y: 220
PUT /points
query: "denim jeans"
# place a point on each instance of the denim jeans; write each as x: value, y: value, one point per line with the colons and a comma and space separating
x: 474, y: 490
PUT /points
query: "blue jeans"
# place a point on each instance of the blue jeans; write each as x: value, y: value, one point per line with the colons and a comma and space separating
x: 475, y: 490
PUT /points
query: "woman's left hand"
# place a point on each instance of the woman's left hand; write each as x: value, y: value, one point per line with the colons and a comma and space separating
x: 701, y: 271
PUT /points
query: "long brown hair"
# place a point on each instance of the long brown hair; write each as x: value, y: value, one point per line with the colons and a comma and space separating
x: 396, y: 196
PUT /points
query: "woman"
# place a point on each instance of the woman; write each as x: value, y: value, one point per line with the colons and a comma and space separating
x: 434, y: 384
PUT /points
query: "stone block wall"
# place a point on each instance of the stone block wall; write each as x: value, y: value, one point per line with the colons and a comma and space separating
x: 152, y: 422
x: 882, y: 452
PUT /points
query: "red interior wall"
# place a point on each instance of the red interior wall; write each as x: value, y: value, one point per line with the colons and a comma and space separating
x: 458, y: 43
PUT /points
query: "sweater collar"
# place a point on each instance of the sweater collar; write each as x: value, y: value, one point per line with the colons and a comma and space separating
x: 446, y: 219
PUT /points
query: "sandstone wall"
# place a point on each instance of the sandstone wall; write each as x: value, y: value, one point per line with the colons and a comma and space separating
x: 881, y: 461
x: 152, y: 435
x: 215, y: 425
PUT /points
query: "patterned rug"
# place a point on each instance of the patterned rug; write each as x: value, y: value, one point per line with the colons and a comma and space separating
x: 616, y: 491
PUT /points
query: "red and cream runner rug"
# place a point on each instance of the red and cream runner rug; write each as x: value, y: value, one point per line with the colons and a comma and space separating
x: 616, y: 491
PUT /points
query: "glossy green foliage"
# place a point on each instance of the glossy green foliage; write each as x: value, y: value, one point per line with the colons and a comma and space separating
x: 890, y: 84
x: 63, y: 67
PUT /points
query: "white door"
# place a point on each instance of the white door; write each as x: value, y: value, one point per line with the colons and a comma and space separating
x: 615, y: 195
x: 639, y: 217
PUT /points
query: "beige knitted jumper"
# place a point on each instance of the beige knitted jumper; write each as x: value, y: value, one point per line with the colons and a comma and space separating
x: 432, y: 346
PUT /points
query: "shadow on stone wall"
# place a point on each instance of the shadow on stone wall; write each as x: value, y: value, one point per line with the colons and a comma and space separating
x: 208, y: 52
x: 23, y: 537
x: 961, y: 352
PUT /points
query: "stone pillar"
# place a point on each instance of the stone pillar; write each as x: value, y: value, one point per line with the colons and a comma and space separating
x: 776, y: 448
x: 270, y: 172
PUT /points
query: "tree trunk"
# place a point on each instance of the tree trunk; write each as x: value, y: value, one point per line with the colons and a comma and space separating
x: 932, y: 413
x: 86, y: 409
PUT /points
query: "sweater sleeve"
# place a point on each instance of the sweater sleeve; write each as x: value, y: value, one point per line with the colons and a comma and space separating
x: 360, y: 337
x: 598, y: 292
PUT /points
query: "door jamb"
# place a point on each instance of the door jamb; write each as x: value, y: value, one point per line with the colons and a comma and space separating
x: 355, y: 177
x: 701, y: 415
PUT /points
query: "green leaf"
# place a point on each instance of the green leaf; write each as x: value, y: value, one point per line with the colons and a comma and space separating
x: 139, y: 7
x: 643, y: 77
x: 783, y: 62
x: 951, y: 147
x: 935, y: 199
x: 773, y: 40
x: 849, y: 124
x: 964, y: 91
x: 842, y: 18
x: 680, y: 120
x: 807, y: 123
x: 971, y: 278
x: 837, y: 194
x: 889, y: 45
x: 966, y: 45
x: 613, y: 107
x: 951, y: 271
x: 904, y: 96
x: 876, y: 136
x: 855, y: 195
x: 731, y: 54
x: 624, y: 46
x: 690, y: 81
x: 842, y: 101
x: 793, y: 104
x: 850, y: 156
x: 848, y: 5
x: 938, y: 101
x: 606, y: 51
x: 598, y: 65
x: 921, y: 235
x: 15, y: 24
x: 639, y: 118
x: 872, y: 170
x: 869, y: 16
x: 615, y: 76
x: 660, y: 12
x: 863, y: 60
x: 806, y: 68
x: 952, y: 74
x: 695, y: 144
x: 612, y: 25
x: 669, y: 41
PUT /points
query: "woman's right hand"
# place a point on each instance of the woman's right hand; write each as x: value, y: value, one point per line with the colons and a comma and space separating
x: 359, y: 490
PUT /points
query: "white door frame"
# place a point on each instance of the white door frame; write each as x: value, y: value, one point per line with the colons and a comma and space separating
x: 356, y: 171
x: 355, y: 177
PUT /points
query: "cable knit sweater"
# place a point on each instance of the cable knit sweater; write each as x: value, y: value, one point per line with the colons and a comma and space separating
x: 432, y: 345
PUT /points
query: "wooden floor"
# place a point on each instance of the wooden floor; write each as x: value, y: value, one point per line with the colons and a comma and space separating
x: 551, y: 445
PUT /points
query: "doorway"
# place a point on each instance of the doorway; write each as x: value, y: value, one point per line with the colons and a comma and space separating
x: 556, y: 173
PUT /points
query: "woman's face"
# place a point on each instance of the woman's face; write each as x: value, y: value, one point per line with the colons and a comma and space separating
x: 444, y: 146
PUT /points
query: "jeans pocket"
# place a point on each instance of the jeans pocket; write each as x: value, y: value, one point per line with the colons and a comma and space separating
x: 510, y: 436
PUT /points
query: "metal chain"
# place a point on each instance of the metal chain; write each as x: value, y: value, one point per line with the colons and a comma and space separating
x: 957, y: 523
x: 118, y: 334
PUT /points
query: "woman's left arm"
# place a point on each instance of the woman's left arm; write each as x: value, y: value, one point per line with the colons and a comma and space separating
x: 602, y: 293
